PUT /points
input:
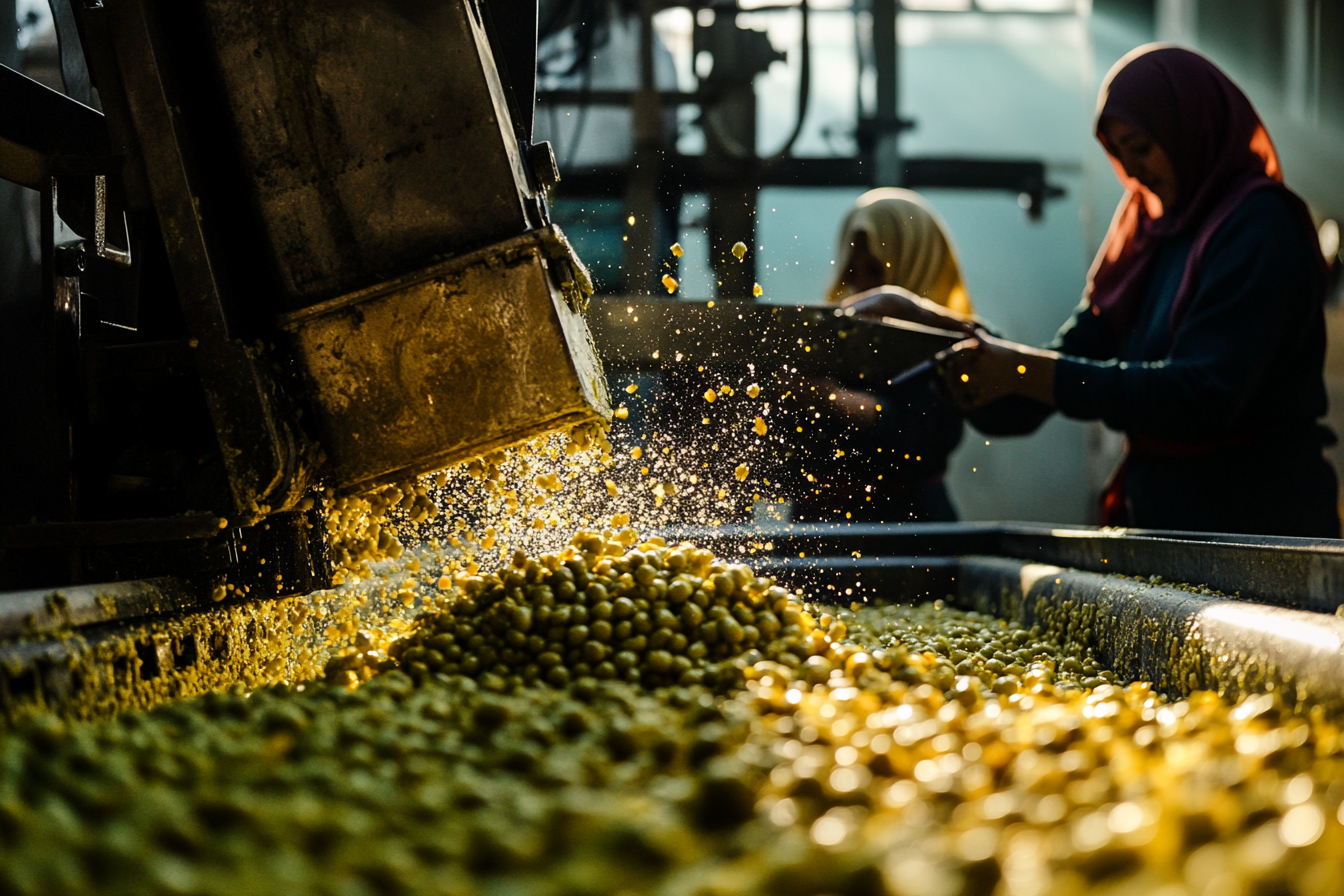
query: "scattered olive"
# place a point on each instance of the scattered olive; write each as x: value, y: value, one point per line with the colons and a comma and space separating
x: 761, y: 746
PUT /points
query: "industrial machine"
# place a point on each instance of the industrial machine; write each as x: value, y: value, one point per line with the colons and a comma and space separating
x: 284, y: 254
x: 281, y: 248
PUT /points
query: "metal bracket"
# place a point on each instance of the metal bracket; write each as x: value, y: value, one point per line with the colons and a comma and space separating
x: 101, y: 247
x: 573, y: 277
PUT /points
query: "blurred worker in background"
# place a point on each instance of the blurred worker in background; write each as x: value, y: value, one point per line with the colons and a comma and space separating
x: 1201, y: 334
x: 892, y: 248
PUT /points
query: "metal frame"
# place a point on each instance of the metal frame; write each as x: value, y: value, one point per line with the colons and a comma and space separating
x: 1296, y: 573
x: 1021, y: 177
x: 656, y: 176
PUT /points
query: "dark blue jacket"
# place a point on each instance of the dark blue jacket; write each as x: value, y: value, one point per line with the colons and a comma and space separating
x: 1233, y: 393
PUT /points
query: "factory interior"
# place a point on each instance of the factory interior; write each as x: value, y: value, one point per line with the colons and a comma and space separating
x: 586, y: 447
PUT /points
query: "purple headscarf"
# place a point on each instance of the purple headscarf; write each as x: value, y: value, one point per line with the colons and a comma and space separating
x: 1220, y: 151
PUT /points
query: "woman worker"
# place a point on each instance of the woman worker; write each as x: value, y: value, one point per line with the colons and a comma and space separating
x: 893, y: 460
x: 1201, y: 334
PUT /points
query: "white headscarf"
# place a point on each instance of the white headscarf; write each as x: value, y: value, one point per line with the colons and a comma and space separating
x: 906, y: 234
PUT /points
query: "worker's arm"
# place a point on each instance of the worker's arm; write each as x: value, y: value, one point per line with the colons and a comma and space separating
x: 1000, y: 401
x: 983, y: 369
x: 1247, y: 355
x: 893, y: 301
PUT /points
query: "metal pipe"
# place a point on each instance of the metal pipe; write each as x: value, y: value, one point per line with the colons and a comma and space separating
x: 886, y: 55
x: 1178, y: 638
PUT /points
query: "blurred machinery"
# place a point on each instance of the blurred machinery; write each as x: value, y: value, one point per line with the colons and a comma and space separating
x: 730, y: 170
x: 281, y: 247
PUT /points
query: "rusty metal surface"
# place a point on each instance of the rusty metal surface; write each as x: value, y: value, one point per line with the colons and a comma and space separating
x: 98, y: 650
x: 376, y: 136
x: 359, y: 141
x: 454, y: 361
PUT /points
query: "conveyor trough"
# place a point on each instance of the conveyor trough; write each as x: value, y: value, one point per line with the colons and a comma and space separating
x: 1185, y: 610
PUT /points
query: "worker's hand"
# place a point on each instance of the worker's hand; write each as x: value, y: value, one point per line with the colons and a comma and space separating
x: 893, y: 301
x: 981, y: 370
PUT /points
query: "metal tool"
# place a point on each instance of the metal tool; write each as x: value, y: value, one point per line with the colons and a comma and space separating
x: 917, y: 372
x: 647, y: 334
